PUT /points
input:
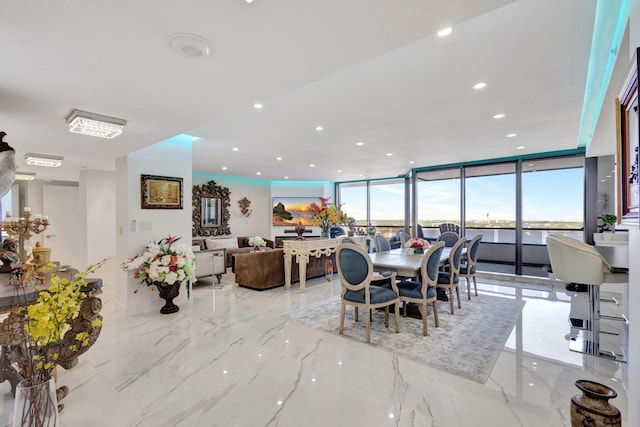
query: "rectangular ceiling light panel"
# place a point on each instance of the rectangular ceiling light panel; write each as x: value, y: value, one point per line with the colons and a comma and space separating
x: 43, y: 160
x: 93, y: 124
x: 25, y: 176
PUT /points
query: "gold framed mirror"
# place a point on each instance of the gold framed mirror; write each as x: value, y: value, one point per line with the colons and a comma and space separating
x: 210, y: 210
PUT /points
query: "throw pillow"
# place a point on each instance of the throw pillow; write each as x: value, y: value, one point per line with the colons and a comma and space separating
x: 229, y: 243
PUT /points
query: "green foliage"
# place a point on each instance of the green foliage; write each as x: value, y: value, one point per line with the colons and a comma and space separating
x: 609, y: 219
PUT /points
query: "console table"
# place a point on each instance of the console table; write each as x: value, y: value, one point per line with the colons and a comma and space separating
x: 302, y: 249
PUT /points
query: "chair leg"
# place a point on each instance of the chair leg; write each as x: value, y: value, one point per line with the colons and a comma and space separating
x: 397, y: 307
x: 468, y: 287
x: 451, y: 299
x: 475, y: 284
x: 368, y: 322
x: 458, y: 294
x: 355, y: 313
x: 386, y: 316
x: 435, y: 314
x: 424, y: 313
x: 406, y: 303
x: 342, y: 310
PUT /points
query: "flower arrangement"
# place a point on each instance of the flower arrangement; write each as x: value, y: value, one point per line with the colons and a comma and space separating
x: 417, y: 244
x: 163, y: 264
x: 325, y: 216
x: 609, y: 221
x: 256, y: 241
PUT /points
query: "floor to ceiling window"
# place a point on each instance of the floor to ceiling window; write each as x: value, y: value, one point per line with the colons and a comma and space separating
x: 353, y: 197
x: 386, y: 206
x: 438, y: 199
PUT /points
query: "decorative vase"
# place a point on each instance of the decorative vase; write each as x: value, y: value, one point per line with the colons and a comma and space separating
x: 410, y: 251
x: 35, y: 405
x: 328, y: 270
x: 168, y: 293
x: 324, y: 234
x: 592, y: 407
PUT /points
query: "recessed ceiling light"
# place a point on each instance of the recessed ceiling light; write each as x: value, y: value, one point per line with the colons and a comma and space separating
x: 512, y: 135
x: 278, y: 158
x: 359, y: 143
x: 190, y: 45
x: 389, y: 154
x: 608, y: 176
x: 235, y: 149
x: 359, y: 174
x: 444, y: 32
x: 286, y: 177
x: 519, y: 147
x: 411, y: 162
x: 603, y: 180
x: 248, y: 1
x: 224, y: 168
x: 339, y: 170
x: 499, y: 116
x: 480, y: 85
x: 312, y: 165
x: 319, y: 128
x: 258, y: 173
x: 257, y: 106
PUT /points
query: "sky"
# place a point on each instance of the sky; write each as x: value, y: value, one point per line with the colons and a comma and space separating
x: 550, y: 195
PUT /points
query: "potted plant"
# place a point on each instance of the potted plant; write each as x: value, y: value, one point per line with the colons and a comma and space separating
x: 609, y: 228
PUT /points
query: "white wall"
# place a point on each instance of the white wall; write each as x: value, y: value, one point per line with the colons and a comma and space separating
x: 98, y: 221
x: 170, y: 158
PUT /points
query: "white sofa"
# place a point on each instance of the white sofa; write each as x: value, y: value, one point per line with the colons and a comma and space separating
x: 209, y: 262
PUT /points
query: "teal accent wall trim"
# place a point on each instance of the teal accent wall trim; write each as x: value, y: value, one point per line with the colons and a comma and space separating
x: 608, y: 30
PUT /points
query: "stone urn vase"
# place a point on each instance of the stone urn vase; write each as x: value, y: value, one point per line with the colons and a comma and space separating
x: 168, y: 293
x: 592, y: 407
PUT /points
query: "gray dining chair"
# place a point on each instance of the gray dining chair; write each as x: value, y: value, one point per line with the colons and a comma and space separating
x: 381, y: 243
x: 450, y: 278
x: 355, y: 271
x: 449, y: 238
x: 348, y: 240
x: 469, y: 267
x: 403, y: 237
x: 424, y: 292
x: 448, y: 226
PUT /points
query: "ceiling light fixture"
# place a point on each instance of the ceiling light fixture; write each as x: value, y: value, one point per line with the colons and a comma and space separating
x: 519, y: 147
x: 512, y: 135
x: 93, y: 124
x: 499, y: 116
x: 278, y: 158
x: 319, y: 128
x: 43, y: 160
x: 257, y: 106
x: 190, y: 45
x: 312, y: 165
x: 286, y: 177
x: 235, y: 149
x: 411, y: 162
x: 389, y: 154
x: 224, y: 168
x: 359, y: 143
x: 25, y: 176
x: 258, y: 173
x: 480, y: 85
x: 444, y: 32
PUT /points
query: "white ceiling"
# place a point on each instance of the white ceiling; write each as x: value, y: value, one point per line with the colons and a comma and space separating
x: 365, y: 70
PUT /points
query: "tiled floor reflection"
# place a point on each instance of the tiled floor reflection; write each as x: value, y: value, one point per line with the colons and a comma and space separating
x: 229, y: 358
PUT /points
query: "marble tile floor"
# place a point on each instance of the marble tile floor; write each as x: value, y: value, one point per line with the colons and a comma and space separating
x: 228, y: 358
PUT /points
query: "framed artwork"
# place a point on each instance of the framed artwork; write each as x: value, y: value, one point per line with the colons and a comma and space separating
x: 628, y: 136
x: 288, y: 211
x: 161, y: 192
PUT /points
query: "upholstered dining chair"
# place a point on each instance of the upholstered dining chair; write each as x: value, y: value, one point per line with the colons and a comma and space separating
x: 348, y: 239
x: 381, y: 243
x: 424, y: 292
x: 355, y: 271
x: 469, y: 267
x: 403, y: 237
x: 449, y: 238
x: 448, y: 226
x: 451, y: 278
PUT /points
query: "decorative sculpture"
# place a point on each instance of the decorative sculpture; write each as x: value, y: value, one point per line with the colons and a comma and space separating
x: 8, y: 165
x: 300, y: 229
x: 8, y: 254
x: 245, y: 205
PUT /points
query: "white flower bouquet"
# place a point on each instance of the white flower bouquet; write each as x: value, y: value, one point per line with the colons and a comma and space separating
x: 256, y: 241
x: 163, y: 263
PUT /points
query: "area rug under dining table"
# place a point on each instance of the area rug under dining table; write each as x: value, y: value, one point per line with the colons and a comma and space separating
x: 467, y: 343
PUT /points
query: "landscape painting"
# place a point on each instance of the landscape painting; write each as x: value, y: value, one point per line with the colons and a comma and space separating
x: 288, y: 211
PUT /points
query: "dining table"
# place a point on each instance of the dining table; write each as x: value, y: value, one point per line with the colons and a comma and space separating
x: 403, y: 262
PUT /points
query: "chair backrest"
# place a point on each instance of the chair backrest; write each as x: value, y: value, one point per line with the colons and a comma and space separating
x: 449, y: 238
x: 574, y: 261
x: 431, y: 264
x: 336, y: 231
x: 419, y: 233
x: 348, y: 239
x: 381, y: 243
x: 454, y: 257
x: 403, y: 237
x: 355, y: 269
x: 472, y: 250
x: 448, y: 226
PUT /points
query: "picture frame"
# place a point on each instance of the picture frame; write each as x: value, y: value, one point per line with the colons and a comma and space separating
x: 160, y: 192
x: 288, y: 211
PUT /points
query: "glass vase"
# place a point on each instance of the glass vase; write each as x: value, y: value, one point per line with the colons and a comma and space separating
x: 35, y: 405
x: 328, y: 270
